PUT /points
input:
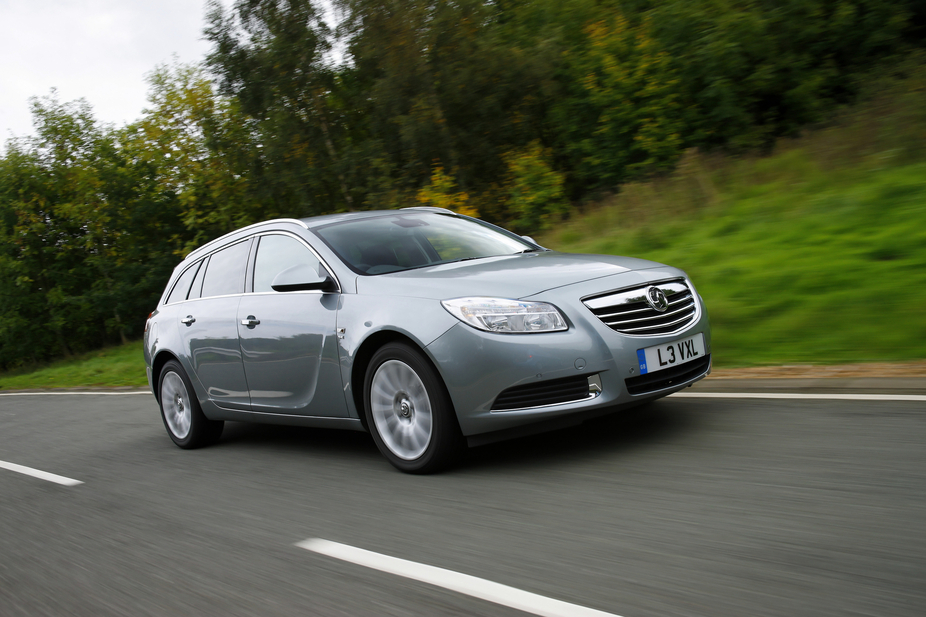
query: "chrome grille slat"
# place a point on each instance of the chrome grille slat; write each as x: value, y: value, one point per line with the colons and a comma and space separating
x: 685, y: 298
x: 619, y: 298
x: 628, y: 312
x: 685, y: 319
x: 646, y: 309
x: 650, y: 317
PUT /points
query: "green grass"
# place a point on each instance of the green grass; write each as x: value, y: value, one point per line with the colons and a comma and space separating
x: 114, y: 366
x: 815, y: 254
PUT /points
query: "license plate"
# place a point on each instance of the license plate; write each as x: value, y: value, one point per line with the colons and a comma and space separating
x: 659, y: 357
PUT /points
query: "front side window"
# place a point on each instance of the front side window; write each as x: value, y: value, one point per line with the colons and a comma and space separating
x: 276, y: 253
x: 225, y: 272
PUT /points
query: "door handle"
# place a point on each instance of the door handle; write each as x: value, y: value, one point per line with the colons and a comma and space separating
x: 250, y: 322
x: 188, y: 320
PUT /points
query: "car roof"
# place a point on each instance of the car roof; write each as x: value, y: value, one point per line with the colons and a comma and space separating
x: 309, y: 223
x: 327, y: 219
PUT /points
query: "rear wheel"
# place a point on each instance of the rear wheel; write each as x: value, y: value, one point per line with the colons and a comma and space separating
x: 183, y: 418
x: 409, y: 412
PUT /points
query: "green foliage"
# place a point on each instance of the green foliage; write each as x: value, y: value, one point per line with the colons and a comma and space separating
x: 196, y: 145
x: 93, y: 219
x: 519, y: 110
x: 62, y: 238
x: 622, y: 117
x: 750, y: 73
x: 535, y: 190
x: 269, y: 56
x: 442, y: 193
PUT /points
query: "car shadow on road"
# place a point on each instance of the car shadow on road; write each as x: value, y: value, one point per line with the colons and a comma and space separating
x: 622, y: 432
x: 619, y: 433
x: 295, y: 439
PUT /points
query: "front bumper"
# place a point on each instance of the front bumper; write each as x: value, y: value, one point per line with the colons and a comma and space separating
x: 477, y: 366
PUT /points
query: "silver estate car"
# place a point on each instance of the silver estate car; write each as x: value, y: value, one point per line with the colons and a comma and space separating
x: 430, y: 330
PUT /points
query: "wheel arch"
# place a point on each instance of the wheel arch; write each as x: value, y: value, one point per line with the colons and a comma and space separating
x: 364, y: 355
x: 160, y: 359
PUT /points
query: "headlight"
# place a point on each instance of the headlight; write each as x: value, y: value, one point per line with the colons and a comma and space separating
x: 503, y: 315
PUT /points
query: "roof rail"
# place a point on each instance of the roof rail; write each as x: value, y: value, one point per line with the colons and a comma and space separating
x: 202, y: 248
x: 430, y: 209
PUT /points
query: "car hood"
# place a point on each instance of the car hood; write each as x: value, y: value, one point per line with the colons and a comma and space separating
x: 506, y: 276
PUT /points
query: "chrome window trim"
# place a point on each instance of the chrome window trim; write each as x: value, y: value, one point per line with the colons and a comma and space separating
x: 209, y: 298
x: 195, y: 252
x: 257, y: 235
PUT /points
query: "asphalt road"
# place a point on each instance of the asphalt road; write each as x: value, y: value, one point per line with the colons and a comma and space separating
x: 692, y: 507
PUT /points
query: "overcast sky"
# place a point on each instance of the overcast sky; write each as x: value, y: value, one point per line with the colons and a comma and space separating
x: 99, y: 50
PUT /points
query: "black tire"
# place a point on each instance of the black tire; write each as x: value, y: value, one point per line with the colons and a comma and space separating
x: 181, y: 413
x: 408, y: 411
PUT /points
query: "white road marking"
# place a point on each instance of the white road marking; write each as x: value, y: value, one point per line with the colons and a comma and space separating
x: 759, y: 395
x: 148, y: 392
x: 448, y: 579
x: 812, y: 397
x: 37, y: 473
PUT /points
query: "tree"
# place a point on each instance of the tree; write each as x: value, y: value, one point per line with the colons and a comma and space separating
x: 55, y: 233
x: 535, y: 190
x: 198, y: 146
x: 270, y: 56
x: 621, y: 116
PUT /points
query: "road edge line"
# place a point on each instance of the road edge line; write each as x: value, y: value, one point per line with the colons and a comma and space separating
x: 799, y: 396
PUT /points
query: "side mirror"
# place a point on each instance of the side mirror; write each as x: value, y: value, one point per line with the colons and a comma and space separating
x: 301, y: 277
x: 532, y: 241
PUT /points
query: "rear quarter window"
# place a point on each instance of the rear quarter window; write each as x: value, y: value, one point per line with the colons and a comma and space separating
x: 182, y: 286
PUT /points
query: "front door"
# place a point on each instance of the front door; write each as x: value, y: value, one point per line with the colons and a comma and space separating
x: 288, y: 340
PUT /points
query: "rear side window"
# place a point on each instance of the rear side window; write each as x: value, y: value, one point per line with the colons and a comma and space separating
x: 182, y: 287
x: 277, y: 253
x: 225, y: 274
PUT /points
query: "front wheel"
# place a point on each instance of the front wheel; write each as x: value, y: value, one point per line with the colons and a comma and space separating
x: 183, y: 418
x: 409, y: 412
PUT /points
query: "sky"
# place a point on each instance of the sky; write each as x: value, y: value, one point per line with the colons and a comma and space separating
x: 98, y: 50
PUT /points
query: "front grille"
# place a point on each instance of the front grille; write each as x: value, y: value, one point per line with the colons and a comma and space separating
x: 628, y: 311
x: 543, y: 393
x: 666, y: 378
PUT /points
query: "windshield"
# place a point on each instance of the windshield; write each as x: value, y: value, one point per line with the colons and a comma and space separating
x: 403, y: 241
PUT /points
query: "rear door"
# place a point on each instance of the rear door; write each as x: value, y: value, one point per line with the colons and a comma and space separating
x: 288, y: 339
x: 209, y: 329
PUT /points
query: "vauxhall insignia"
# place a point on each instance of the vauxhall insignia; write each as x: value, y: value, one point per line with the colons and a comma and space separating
x: 657, y: 299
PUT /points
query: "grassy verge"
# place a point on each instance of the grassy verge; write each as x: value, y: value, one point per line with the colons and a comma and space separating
x: 814, y: 254
x: 115, y: 366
